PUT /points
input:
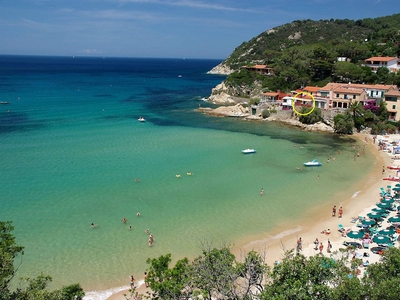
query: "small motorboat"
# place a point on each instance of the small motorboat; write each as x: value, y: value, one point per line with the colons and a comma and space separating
x: 313, y: 163
x: 4, y: 102
x: 141, y: 119
x: 248, y: 151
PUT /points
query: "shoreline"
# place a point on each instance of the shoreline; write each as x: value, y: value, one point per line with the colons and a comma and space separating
x: 356, y: 199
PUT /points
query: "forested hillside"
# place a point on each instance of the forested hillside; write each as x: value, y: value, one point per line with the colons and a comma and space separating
x: 305, y: 52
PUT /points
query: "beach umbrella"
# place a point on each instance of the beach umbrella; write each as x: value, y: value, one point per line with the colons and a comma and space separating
x: 375, y: 215
x: 381, y: 239
x: 397, y: 185
x: 384, y: 205
x: 387, y: 200
x: 396, y: 189
x: 389, y: 231
x: 379, y: 210
x: 368, y: 222
x: 394, y: 219
x: 355, y: 234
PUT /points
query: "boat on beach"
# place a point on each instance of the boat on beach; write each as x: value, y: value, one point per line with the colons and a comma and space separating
x: 394, y: 167
x: 249, y: 151
x: 392, y: 178
x: 141, y: 119
x: 313, y: 163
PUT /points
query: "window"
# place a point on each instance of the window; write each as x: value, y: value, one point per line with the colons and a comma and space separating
x: 345, y: 96
x: 354, y: 96
x: 372, y: 93
x: 337, y: 95
x: 394, y: 106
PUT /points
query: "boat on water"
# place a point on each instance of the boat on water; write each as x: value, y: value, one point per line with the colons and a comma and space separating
x: 248, y: 151
x: 141, y: 119
x: 313, y: 163
x: 4, y: 102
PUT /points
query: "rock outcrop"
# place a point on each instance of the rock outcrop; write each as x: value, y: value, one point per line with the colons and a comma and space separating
x: 221, y: 69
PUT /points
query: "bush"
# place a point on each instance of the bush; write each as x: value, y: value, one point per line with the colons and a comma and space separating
x: 312, y: 118
x: 265, y: 113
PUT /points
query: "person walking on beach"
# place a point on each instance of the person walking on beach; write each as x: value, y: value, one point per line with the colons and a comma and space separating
x: 145, y: 280
x: 334, y: 211
x: 299, y: 245
x: 340, y: 212
x: 329, y: 246
x: 321, y: 247
x: 316, y: 243
x: 132, y: 281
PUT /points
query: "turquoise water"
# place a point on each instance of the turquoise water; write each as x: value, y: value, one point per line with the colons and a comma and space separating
x: 72, y: 147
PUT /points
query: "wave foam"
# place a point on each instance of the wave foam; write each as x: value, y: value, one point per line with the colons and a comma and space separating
x: 355, y: 194
x: 103, y: 295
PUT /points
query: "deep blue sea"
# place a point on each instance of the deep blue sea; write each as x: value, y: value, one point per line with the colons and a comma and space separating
x: 71, y: 147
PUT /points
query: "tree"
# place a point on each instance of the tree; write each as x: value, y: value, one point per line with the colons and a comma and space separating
x: 312, y: 118
x: 29, y: 288
x: 343, y: 123
x: 169, y: 283
x: 357, y: 111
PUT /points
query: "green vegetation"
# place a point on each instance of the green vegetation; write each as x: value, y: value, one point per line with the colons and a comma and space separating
x: 305, y: 53
x: 265, y: 113
x: 27, y: 288
x: 217, y: 274
x: 312, y: 118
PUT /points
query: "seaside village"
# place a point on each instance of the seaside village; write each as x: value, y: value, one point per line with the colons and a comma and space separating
x: 332, y: 99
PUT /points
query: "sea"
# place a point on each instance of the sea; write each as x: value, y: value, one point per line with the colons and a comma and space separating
x: 73, y: 153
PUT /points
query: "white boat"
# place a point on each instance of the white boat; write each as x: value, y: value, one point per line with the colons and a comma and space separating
x: 141, y: 119
x: 248, y: 151
x: 313, y: 163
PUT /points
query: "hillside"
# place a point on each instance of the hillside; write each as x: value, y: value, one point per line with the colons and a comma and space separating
x: 379, y: 36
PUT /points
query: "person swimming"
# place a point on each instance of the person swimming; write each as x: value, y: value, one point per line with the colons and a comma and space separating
x: 138, y: 214
x: 92, y: 225
x: 124, y: 220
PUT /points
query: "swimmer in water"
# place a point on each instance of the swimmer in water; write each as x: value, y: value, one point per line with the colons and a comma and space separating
x: 138, y: 214
x: 92, y: 225
x: 124, y: 220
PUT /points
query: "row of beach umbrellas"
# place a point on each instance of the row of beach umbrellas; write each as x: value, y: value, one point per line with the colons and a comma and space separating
x: 379, y: 212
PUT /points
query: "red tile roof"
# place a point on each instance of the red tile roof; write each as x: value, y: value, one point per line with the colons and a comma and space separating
x: 381, y: 58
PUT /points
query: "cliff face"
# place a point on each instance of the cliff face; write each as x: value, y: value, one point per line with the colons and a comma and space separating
x: 221, y: 69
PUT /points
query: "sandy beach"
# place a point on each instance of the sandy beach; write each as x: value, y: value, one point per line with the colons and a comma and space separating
x: 359, y: 200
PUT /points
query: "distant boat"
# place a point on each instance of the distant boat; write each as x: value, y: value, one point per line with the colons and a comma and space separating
x: 179, y: 76
x: 248, y: 151
x: 4, y: 102
x: 141, y: 119
x: 313, y: 163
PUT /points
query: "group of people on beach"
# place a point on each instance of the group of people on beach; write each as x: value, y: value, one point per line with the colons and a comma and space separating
x: 340, y: 213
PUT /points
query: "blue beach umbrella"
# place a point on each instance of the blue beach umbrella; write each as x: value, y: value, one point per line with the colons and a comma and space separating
x: 355, y: 234
x: 368, y: 222
x: 379, y: 210
x: 394, y: 219
x: 389, y: 231
x: 397, y: 185
x: 384, y: 205
x: 387, y: 200
x: 374, y: 215
x: 396, y: 189
x: 381, y: 239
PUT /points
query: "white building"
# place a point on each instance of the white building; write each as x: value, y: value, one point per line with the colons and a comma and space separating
x: 392, y: 63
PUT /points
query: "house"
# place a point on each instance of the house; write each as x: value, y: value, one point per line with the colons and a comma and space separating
x: 392, y: 99
x: 392, y: 63
x: 260, y: 69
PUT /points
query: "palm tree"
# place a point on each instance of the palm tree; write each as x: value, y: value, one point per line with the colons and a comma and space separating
x: 356, y: 110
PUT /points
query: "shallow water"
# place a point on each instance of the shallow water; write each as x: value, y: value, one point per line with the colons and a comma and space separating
x: 72, y: 147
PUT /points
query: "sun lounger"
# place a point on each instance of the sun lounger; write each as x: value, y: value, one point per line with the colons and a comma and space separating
x: 340, y: 227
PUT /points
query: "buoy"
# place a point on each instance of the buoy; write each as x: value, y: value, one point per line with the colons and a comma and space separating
x: 178, y: 176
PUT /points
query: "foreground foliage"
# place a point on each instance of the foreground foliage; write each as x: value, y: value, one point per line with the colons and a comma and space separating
x: 27, y: 288
x: 217, y: 274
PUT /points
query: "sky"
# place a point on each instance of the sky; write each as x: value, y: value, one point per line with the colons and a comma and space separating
x: 160, y: 28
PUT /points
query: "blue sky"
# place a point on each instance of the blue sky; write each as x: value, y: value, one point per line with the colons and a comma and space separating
x: 159, y: 28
